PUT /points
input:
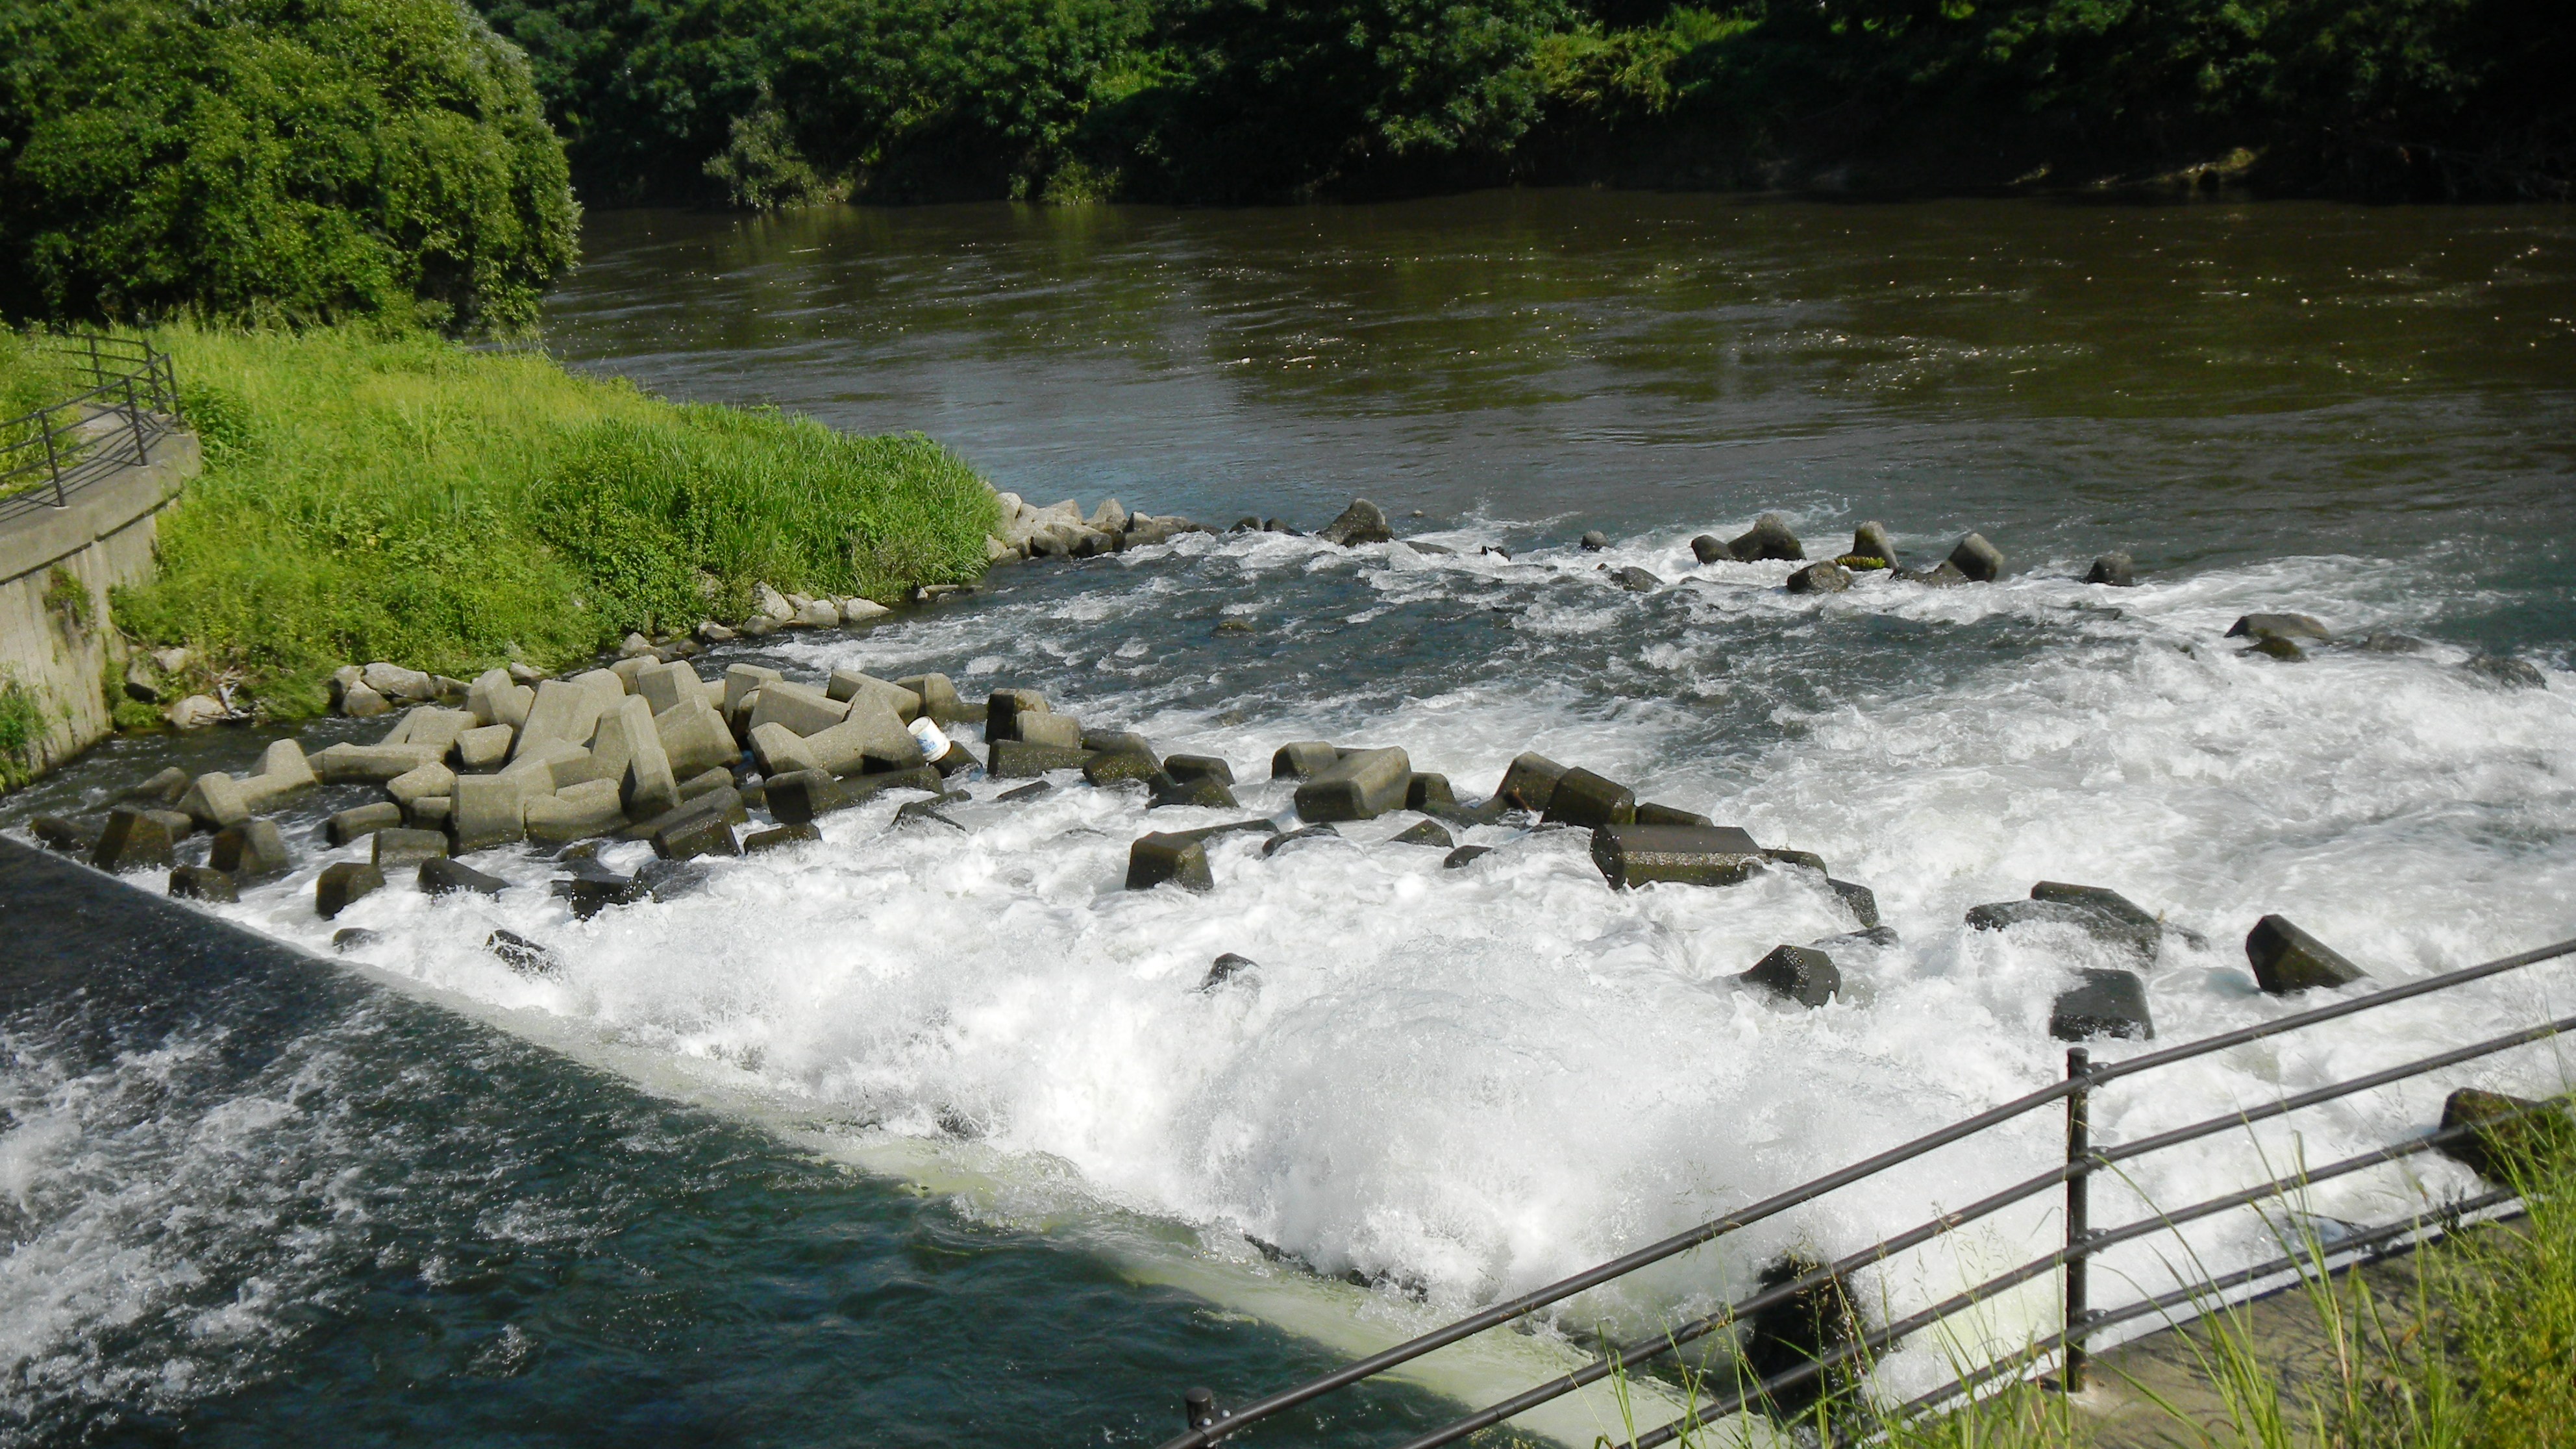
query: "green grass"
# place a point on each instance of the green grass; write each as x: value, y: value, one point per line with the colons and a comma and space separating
x: 371, y: 496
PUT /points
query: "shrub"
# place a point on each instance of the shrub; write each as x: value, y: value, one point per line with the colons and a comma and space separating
x: 303, y: 160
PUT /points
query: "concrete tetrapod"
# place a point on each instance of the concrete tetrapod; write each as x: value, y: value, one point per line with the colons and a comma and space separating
x: 1361, y: 785
x: 1708, y: 855
x: 2287, y: 959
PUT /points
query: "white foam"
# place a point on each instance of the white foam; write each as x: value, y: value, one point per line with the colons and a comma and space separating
x: 1472, y: 1081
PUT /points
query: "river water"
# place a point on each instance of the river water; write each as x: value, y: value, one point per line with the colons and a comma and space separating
x: 966, y: 1063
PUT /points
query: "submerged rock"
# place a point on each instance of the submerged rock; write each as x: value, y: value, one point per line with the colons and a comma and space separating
x: 1429, y: 832
x: 2510, y: 1140
x: 1362, y: 522
x: 133, y: 840
x: 202, y: 883
x: 2504, y: 672
x: 1978, y: 560
x: 1225, y: 968
x: 2105, y: 915
x: 1637, y: 580
x: 2114, y: 569
x: 1464, y: 855
x: 1708, y: 548
x: 1871, y: 540
x: 1820, y: 578
x: 1594, y: 541
x: 1768, y: 538
x: 2259, y: 627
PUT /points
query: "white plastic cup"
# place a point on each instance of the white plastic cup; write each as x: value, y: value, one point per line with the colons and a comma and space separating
x: 933, y: 743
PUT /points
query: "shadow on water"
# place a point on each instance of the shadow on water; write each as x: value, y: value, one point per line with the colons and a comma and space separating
x: 250, y: 1199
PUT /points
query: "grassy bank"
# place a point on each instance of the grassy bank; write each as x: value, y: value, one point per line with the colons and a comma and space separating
x: 400, y: 497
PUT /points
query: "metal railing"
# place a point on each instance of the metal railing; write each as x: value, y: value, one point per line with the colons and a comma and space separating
x: 1209, y: 1423
x: 132, y: 399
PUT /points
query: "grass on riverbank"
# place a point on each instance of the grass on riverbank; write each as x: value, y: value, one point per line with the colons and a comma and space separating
x: 401, y: 497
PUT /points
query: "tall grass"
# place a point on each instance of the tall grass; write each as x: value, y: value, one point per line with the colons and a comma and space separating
x: 397, y: 496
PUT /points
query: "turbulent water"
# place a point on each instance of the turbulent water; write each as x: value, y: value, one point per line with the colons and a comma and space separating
x: 1452, y: 1084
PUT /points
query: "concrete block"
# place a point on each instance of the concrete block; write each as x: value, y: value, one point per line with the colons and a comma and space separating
x: 406, y: 847
x: 870, y: 741
x: 741, y: 681
x: 2117, y: 570
x: 2287, y: 959
x: 1872, y: 540
x: 1429, y: 832
x: 361, y: 822
x: 796, y: 798
x: 1302, y: 760
x: 436, y: 729
x: 1802, y: 974
x: 2102, y: 1003
x: 1003, y: 709
x: 440, y: 876
x: 590, y: 808
x: 1769, y: 538
x: 489, y: 810
x: 802, y: 709
x: 520, y: 954
x: 1012, y: 759
x: 1858, y: 899
x: 483, y: 748
x: 603, y: 683
x: 202, y: 883
x: 1054, y: 731
x: 1649, y: 813
x: 938, y: 696
x: 1589, y: 800
x: 369, y: 764
x: 705, y: 782
x: 252, y: 850
x: 393, y: 681
x: 665, y: 685
x: 564, y: 713
x: 649, y: 787
x: 545, y: 766
x: 1464, y: 856
x: 283, y: 764
x: 780, y: 750
x: 725, y: 802
x: 697, y: 835
x: 1360, y: 785
x: 133, y: 839
x: 482, y: 697
x: 1978, y: 559
x: 1709, y: 855
x: 69, y: 837
x: 695, y: 738
x: 1529, y: 782
x: 430, y: 812
x: 343, y: 885
x: 1161, y: 857
x: 428, y: 780
x: 1203, y: 791
x: 1198, y: 767
x: 215, y: 801
x: 780, y: 838
x: 850, y: 684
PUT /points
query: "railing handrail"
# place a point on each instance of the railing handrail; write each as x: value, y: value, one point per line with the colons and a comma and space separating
x: 145, y: 372
x: 1200, y: 1435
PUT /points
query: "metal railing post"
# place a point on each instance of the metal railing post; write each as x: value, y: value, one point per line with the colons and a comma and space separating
x: 2079, y: 1216
x: 53, y: 459
x: 134, y: 420
x: 1198, y: 1408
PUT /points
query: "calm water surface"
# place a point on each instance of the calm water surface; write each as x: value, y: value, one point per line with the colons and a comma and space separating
x: 926, y: 1135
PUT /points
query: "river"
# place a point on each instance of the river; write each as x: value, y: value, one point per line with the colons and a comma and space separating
x: 966, y: 1073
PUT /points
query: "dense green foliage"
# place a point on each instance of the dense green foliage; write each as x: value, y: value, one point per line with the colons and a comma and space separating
x: 763, y: 102
x: 405, y: 498
x: 300, y: 160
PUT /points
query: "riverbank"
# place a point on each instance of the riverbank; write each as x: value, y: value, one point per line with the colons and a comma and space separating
x: 372, y: 496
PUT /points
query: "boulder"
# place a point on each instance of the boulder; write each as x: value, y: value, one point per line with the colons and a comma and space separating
x: 370, y: 764
x: 2503, y: 671
x: 779, y: 837
x: 1582, y: 798
x: 1014, y: 760
x: 741, y: 683
x: 802, y: 709
x: 796, y: 798
x: 2382, y: 641
x: 357, y: 702
x: 1820, y: 578
x: 132, y: 840
x: 1708, y: 548
x: 1802, y: 974
x: 1180, y: 859
x: 2116, y: 570
x: 1360, y: 785
x: 361, y: 821
x: 215, y: 801
x: 429, y: 780
x: 71, y: 837
x: 2287, y: 959
x: 1464, y: 855
x: 817, y: 614
x: 1769, y: 537
x: 488, y: 810
x: 2509, y: 1141
x: 395, y: 682
x: 406, y: 847
x: 695, y: 738
x: 588, y: 809
x: 519, y: 953
x: 1593, y: 541
x: 1428, y: 832
x: 1872, y: 540
x: 1858, y: 899
x: 851, y: 685
x: 441, y: 876
x: 202, y: 883
x: 1302, y: 760
x: 2102, y: 1003
x: 1981, y: 561
x: 1057, y: 731
x: 252, y: 850
x: 342, y: 885
x: 2285, y: 650
x: 1942, y: 575
x: 1362, y: 522
x: 2259, y: 627
x: 1637, y: 580
x: 1185, y: 768
x: 855, y: 612
x: 1530, y: 782
x: 1003, y: 709
x: 938, y: 697
x: 1707, y: 855
x: 1649, y: 813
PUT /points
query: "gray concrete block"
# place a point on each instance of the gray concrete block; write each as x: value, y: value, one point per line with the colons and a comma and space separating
x: 695, y: 738
x: 1530, y: 782
x: 741, y: 682
x: 585, y: 810
x: 1802, y: 974
x: 1361, y: 785
x: 215, y: 800
x: 2102, y: 1003
x: 697, y: 835
x: 484, y: 748
x: 1978, y: 559
x: 564, y: 713
x: 1057, y: 731
x: 1015, y: 759
x: 1302, y: 760
x: 850, y: 684
x: 343, y: 885
x: 780, y: 750
x: 132, y: 839
x: 803, y: 709
x: 870, y: 740
x: 406, y: 847
x: 202, y: 883
x: 361, y: 822
x: 428, y: 780
x: 369, y: 764
x: 1163, y: 857
x: 2287, y: 959
x: 649, y: 787
x: 252, y: 850
x: 489, y: 810
x: 1709, y: 855
x: 441, y: 876
x: 1588, y: 800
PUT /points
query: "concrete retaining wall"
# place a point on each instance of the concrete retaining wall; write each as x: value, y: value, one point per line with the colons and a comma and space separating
x: 103, y: 540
